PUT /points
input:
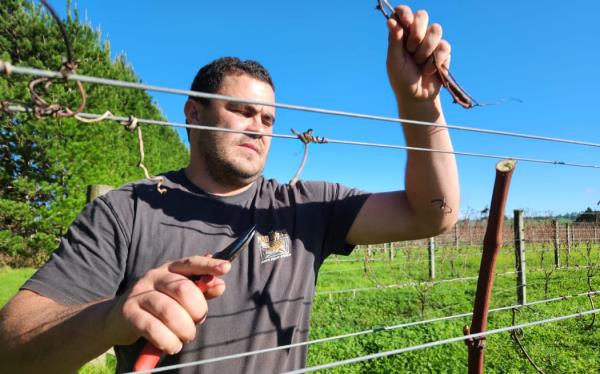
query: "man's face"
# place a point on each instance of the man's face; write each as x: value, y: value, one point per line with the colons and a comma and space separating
x: 233, y: 159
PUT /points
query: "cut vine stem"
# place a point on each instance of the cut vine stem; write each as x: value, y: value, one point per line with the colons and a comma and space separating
x: 491, y: 246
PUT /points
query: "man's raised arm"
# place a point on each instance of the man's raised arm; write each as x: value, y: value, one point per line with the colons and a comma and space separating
x: 430, y: 203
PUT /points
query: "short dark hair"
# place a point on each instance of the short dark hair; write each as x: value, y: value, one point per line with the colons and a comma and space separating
x: 210, y: 77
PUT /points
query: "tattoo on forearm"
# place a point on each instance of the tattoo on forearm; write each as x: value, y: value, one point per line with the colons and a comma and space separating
x: 443, y: 205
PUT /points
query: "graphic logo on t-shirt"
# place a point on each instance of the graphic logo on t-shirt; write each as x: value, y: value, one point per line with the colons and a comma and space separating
x: 275, y: 245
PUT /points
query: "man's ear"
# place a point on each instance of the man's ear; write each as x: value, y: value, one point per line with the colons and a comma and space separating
x: 190, y: 110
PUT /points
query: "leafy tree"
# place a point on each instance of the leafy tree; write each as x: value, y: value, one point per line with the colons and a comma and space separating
x: 46, y: 164
x: 588, y: 216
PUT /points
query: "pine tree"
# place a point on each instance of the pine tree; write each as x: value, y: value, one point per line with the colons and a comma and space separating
x: 46, y: 164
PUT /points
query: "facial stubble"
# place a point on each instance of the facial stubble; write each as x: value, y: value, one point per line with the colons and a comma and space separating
x: 223, y: 169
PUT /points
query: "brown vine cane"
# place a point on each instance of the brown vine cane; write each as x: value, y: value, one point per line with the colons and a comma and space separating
x: 491, y: 246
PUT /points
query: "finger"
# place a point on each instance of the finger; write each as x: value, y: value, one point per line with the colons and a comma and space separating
x: 185, y: 293
x: 210, y: 286
x: 404, y: 15
x: 439, y: 59
x: 171, y: 315
x: 442, y: 54
x: 417, y: 30
x: 215, y: 288
x: 398, y: 24
x: 429, y: 44
x: 200, y: 265
x: 396, y: 33
x: 155, y: 331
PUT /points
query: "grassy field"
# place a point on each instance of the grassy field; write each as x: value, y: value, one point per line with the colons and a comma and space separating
x: 11, y: 280
x: 563, y: 347
x: 354, y: 294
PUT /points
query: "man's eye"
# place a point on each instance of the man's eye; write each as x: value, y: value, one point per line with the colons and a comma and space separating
x: 245, y: 112
x: 237, y: 110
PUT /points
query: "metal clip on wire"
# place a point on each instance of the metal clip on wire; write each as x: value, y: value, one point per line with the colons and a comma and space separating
x: 306, y: 138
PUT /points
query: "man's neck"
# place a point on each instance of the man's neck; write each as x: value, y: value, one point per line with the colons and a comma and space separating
x: 202, y: 179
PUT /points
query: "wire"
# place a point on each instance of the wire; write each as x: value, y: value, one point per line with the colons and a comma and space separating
x: 5, y: 66
x: 63, y: 31
x: 16, y: 108
x: 364, y: 332
x: 441, y: 342
x: 404, y: 285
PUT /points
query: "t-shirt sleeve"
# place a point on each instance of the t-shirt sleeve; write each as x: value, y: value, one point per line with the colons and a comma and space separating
x: 341, y: 206
x: 90, y: 261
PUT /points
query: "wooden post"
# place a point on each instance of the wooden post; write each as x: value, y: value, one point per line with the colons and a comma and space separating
x: 470, y: 234
x: 392, y: 251
x: 556, y: 244
x: 568, y: 226
x: 369, y: 250
x: 520, y: 257
x: 95, y: 190
x: 431, y: 250
x: 456, y: 236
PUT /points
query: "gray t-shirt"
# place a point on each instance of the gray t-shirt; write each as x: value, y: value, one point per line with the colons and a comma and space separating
x: 121, y: 235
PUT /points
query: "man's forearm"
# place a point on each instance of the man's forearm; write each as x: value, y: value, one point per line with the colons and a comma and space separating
x: 49, y: 337
x: 431, y: 177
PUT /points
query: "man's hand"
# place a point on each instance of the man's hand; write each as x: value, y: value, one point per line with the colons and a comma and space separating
x: 410, y: 60
x: 165, y: 305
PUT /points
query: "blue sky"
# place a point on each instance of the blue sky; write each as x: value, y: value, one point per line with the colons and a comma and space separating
x: 331, y: 54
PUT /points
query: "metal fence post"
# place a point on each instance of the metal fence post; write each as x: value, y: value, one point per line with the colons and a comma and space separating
x: 431, y: 250
x: 392, y: 251
x: 520, y: 257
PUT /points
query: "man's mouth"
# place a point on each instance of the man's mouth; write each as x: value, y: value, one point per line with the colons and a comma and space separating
x: 252, y: 146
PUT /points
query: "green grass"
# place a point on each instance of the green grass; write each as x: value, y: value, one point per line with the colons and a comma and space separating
x: 562, y: 347
x: 11, y: 280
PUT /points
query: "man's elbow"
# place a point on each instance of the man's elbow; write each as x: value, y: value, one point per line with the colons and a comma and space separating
x: 437, y: 222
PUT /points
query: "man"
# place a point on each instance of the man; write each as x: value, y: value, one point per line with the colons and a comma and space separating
x: 123, y: 271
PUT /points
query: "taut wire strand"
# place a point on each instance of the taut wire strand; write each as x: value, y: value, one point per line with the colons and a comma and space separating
x: 364, y: 332
x: 442, y: 342
x: 117, y: 83
x: 332, y: 141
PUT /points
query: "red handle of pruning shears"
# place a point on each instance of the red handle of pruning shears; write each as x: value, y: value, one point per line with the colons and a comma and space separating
x: 150, y: 355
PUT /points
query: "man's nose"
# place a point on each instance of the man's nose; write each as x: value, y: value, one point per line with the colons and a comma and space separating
x: 255, y: 124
